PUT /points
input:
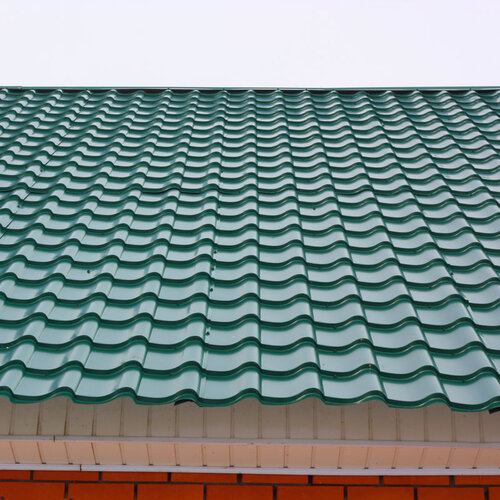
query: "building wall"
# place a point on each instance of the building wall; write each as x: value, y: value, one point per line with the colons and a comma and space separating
x: 53, y: 485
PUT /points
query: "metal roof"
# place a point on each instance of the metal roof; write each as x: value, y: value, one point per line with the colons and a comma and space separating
x: 214, y: 245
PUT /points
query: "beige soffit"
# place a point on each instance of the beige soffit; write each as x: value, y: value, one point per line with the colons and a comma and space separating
x: 307, y: 437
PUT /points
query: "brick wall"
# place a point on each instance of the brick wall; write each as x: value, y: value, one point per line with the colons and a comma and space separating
x: 48, y: 485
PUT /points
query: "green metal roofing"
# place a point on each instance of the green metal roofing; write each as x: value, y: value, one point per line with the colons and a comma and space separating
x: 214, y: 245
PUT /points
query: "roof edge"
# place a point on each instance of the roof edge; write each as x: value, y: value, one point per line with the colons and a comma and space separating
x: 257, y: 88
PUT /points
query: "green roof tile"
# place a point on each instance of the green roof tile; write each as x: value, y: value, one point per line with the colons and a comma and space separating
x: 214, y: 245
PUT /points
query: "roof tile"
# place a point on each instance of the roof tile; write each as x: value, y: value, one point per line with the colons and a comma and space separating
x: 215, y: 245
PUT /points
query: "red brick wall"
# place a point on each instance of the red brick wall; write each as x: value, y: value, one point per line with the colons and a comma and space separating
x: 48, y: 485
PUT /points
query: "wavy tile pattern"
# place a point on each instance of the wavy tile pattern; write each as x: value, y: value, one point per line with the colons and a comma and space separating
x: 215, y: 245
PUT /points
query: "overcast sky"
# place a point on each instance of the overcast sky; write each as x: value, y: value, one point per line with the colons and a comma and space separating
x: 258, y: 43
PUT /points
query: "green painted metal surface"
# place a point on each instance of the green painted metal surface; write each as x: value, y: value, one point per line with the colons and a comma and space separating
x: 216, y: 245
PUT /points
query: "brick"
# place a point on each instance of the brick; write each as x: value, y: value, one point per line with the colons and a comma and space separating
x: 310, y: 493
x: 170, y: 492
x: 32, y: 491
x: 274, y: 479
x: 100, y: 491
x: 494, y: 493
x: 239, y: 492
x: 15, y: 474
x: 135, y: 477
x: 186, y: 477
x: 380, y: 493
x: 450, y: 493
x: 346, y: 480
x: 418, y: 480
x: 51, y: 475
x: 479, y: 480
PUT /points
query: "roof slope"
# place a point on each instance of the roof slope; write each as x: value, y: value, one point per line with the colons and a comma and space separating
x: 216, y: 245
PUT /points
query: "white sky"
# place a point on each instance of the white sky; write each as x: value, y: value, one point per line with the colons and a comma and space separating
x: 240, y: 43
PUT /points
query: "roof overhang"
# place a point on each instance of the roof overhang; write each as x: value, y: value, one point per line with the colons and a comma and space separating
x: 307, y: 437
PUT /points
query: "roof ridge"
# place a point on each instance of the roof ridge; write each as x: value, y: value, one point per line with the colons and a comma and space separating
x: 257, y: 88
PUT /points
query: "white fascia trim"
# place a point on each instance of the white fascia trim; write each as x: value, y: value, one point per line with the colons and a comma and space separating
x: 256, y: 442
x: 256, y: 470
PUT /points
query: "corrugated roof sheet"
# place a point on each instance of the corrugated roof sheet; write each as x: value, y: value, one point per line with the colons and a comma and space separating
x: 215, y: 245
